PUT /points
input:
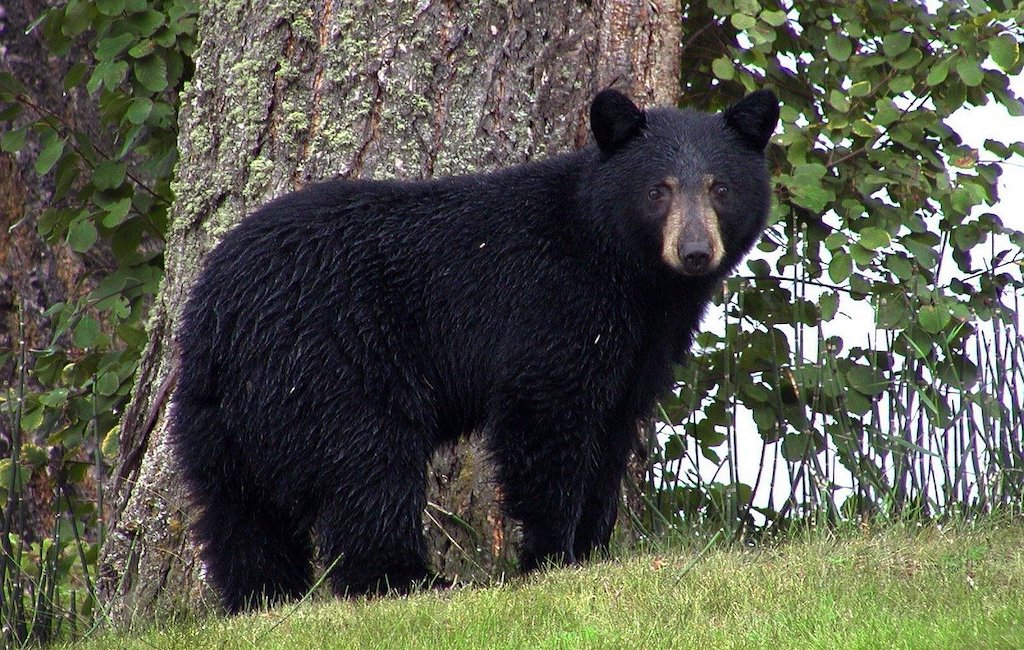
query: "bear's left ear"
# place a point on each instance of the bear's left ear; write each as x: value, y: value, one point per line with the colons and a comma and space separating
x: 754, y: 118
x: 615, y: 120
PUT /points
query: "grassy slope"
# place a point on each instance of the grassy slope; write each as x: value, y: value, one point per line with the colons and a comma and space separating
x: 896, y: 589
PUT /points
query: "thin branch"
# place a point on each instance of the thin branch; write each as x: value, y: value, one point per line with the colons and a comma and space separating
x: 46, y: 113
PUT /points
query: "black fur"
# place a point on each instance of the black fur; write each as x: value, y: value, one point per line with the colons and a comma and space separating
x: 341, y: 334
x: 615, y: 120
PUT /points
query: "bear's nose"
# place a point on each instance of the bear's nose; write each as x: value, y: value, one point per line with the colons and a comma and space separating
x: 696, y: 257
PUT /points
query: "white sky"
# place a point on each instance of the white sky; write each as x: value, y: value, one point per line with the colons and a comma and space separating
x: 992, y: 122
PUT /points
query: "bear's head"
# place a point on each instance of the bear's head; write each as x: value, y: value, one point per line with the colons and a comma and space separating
x: 692, y: 189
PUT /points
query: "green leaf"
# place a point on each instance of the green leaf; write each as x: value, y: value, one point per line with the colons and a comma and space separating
x: 108, y: 73
x: 900, y: 267
x: 110, y: 7
x: 838, y: 46
x: 908, y: 59
x: 934, y: 318
x: 166, y: 37
x: 146, y: 22
x: 117, y: 212
x: 813, y: 197
x: 82, y: 236
x: 107, y: 383
x: 9, y: 85
x: 108, y: 48
x: 829, y: 305
x: 860, y: 89
x: 836, y: 240
x: 938, y: 73
x: 10, y: 112
x: 901, y: 84
x: 1004, y: 50
x: 75, y: 75
x: 742, y: 22
x: 722, y: 67
x: 797, y: 446
x: 129, y: 140
x: 139, y: 110
x: 111, y: 443
x: 757, y: 392
x: 896, y: 43
x: 9, y: 471
x: 774, y: 18
x: 970, y: 71
x: 839, y: 101
x: 887, y: 112
x: 31, y: 421
x: 766, y: 420
x: 891, y: 313
x: 34, y: 456
x: 864, y: 128
x: 759, y: 268
x: 12, y: 141
x: 874, y: 238
x: 86, y: 332
x: 807, y: 187
x: 78, y: 17
x: 53, y: 147
x: 966, y: 237
x: 922, y: 253
x: 115, y: 75
x: 812, y: 171
x: 109, y: 174
x: 152, y: 73
x: 866, y: 380
x: 54, y: 398
x: 142, y: 48
x: 862, y: 256
x: 840, y: 267
x: 674, y: 448
x: 65, y: 176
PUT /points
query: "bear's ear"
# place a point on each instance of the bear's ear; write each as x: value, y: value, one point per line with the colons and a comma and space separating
x: 754, y: 118
x: 615, y: 120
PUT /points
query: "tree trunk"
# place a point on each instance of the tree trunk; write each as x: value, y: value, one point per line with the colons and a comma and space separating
x: 288, y: 93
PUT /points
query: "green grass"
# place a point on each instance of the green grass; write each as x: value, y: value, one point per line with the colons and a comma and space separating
x: 900, y: 588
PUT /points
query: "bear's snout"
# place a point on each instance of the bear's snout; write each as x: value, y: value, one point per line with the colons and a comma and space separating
x: 695, y: 256
x: 691, y: 239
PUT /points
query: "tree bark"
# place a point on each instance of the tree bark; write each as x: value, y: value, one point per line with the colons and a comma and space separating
x: 286, y: 93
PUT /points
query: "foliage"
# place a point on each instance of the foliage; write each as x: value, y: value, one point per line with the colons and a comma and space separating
x: 110, y: 199
x: 880, y: 214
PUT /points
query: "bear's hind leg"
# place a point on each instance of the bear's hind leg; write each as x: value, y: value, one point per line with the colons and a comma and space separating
x: 253, y: 555
x: 370, y: 533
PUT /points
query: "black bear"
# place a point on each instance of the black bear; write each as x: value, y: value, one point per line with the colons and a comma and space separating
x: 341, y: 334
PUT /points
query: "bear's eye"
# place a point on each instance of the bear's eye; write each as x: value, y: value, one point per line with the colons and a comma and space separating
x: 657, y: 193
x: 720, y: 190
